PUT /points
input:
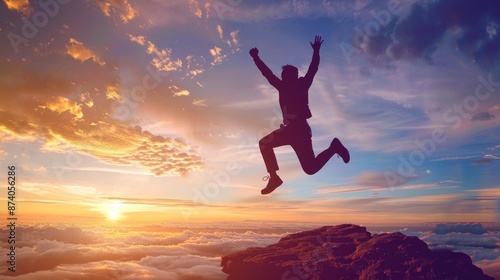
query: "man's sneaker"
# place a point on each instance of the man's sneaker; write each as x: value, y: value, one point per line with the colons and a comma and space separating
x: 274, y: 182
x: 338, y: 148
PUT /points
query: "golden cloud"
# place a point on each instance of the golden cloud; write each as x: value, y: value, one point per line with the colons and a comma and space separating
x: 219, y: 30
x: 22, y: 6
x: 132, y: 146
x: 183, y: 92
x: 199, y: 102
x: 234, y: 38
x: 122, y: 7
x: 62, y: 104
x: 112, y: 93
x: 13, y: 128
x: 163, y: 61
x: 79, y: 52
x: 196, y: 72
x: 195, y: 8
x: 86, y: 99
x: 216, y: 52
x: 109, y: 141
x: 141, y: 40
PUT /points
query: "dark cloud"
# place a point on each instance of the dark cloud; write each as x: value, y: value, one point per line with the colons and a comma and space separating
x: 462, y: 228
x: 387, y: 179
x: 482, y: 116
x: 478, y: 246
x: 482, y: 248
x: 473, y: 24
x: 481, y: 162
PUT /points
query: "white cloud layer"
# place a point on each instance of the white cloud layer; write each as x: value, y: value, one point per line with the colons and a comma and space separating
x: 178, y: 252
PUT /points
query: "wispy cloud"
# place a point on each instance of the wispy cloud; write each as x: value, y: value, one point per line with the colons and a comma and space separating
x: 200, y: 102
x: 121, y: 7
x: 482, y: 116
x: 353, y: 189
x: 79, y: 52
x: 481, y: 161
x: 162, y: 60
x: 454, y: 158
x: 141, y: 40
x: 285, y: 9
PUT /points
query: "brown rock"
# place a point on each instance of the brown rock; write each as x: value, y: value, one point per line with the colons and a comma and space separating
x: 348, y: 252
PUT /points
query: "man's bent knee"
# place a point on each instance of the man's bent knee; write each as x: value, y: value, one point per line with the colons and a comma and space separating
x: 266, y: 140
x: 310, y: 170
x: 263, y: 142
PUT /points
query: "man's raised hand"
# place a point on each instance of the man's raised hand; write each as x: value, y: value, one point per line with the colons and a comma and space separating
x: 254, y: 52
x: 317, y: 43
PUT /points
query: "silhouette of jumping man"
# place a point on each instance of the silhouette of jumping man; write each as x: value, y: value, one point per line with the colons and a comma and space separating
x: 295, y: 131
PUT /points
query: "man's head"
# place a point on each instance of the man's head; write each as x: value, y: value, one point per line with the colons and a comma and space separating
x: 289, y: 73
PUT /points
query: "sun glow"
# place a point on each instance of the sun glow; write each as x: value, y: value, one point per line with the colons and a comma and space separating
x: 114, y: 210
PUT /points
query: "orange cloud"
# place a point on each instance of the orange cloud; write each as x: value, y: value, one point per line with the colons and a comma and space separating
x: 182, y: 93
x: 141, y: 40
x: 106, y: 140
x: 199, y: 102
x: 195, y: 8
x: 132, y: 146
x: 63, y: 115
x: 22, y: 6
x: 219, y: 30
x: 179, y: 92
x: 122, y: 7
x: 87, y: 100
x: 12, y: 128
x: 234, y: 38
x: 62, y: 104
x: 216, y: 52
x: 112, y: 93
x: 196, y: 72
x: 79, y: 52
x: 162, y: 60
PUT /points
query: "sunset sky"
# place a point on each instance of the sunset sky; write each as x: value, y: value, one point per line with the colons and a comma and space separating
x: 147, y: 111
x: 134, y: 127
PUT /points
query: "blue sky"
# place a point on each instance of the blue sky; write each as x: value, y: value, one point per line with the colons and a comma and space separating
x: 133, y: 109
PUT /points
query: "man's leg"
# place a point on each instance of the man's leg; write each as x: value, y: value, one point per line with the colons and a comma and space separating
x: 310, y: 163
x: 305, y: 153
x: 267, y: 144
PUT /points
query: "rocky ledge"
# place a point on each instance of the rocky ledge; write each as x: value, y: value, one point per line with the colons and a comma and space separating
x: 348, y: 252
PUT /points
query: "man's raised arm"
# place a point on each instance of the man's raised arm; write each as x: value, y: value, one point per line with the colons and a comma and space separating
x: 273, y: 80
x: 313, y: 67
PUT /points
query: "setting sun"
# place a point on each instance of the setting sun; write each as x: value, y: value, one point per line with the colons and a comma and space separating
x: 114, y: 210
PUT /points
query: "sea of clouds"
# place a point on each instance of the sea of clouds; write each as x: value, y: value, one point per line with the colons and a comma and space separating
x: 189, y: 252
x: 480, y: 241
